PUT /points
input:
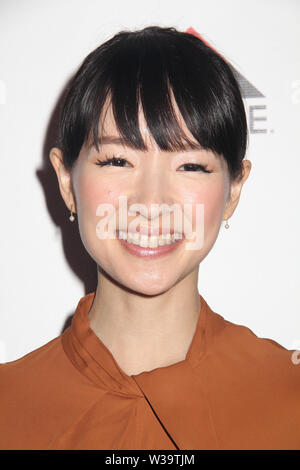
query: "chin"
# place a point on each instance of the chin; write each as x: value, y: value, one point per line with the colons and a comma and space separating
x: 148, y: 287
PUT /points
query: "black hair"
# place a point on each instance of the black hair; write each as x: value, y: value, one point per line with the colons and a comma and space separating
x: 145, y: 69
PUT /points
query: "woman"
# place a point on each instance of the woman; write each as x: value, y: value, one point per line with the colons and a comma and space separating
x: 152, y: 120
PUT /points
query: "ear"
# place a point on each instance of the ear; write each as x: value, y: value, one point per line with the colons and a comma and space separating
x: 235, y: 190
x: 64, y: 178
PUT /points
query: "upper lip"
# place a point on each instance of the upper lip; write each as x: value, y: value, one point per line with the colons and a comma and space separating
x: 144, y: 230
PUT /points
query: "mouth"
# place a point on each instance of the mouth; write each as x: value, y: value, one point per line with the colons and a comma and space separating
x: 150, y: 246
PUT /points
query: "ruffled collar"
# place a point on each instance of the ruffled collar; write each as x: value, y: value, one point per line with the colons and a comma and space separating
x: 93, y: 359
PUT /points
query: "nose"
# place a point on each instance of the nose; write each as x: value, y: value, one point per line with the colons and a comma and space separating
x: 152, y: 195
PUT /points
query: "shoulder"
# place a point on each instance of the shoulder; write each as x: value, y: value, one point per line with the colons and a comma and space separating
x: 40, y: 380
x: 237, y: 331
x: 222, y: 329
x: 239, y: 345
x: 32, y: 365
x: 43, y: 372
x: 252, y: 383
x: 41, y: 393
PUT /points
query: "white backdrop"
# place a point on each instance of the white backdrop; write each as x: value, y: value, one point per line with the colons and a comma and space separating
x: 251, y: 276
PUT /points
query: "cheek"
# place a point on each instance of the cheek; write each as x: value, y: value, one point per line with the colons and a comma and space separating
x: 213, y: 205
x: 91, y: 192
x: 212, y: 195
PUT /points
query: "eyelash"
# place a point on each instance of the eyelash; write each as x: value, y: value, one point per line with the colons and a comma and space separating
x: 108, y: 160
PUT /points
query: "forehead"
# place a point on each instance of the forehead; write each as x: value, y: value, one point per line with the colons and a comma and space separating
x: 107, y: 123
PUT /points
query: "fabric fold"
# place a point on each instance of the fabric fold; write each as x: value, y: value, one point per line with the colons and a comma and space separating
x: 181, y: 405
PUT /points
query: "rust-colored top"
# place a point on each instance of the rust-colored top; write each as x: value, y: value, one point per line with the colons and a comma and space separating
x: 234, y: 390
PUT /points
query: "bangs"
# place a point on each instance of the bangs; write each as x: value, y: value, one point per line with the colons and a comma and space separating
x: 149, y: 83
x: 149, y: 77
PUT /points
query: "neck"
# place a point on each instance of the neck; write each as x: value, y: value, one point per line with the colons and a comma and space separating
x: 145, y: 332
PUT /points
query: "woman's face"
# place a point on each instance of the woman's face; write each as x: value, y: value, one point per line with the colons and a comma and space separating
x: 148, y: 177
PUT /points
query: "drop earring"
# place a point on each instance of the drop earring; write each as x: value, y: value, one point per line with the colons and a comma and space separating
x: 72, y: 218
x: 227, y: 224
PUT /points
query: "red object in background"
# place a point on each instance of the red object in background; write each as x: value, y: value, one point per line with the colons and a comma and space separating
x: 192, y: 31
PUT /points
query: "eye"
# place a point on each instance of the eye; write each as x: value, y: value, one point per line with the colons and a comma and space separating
x: 111, y: 161
x: 196, y: 167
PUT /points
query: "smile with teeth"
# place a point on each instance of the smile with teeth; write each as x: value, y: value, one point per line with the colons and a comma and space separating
x: 150, y: 242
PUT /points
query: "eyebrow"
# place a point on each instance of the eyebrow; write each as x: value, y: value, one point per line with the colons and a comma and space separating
x: 111, y: 139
